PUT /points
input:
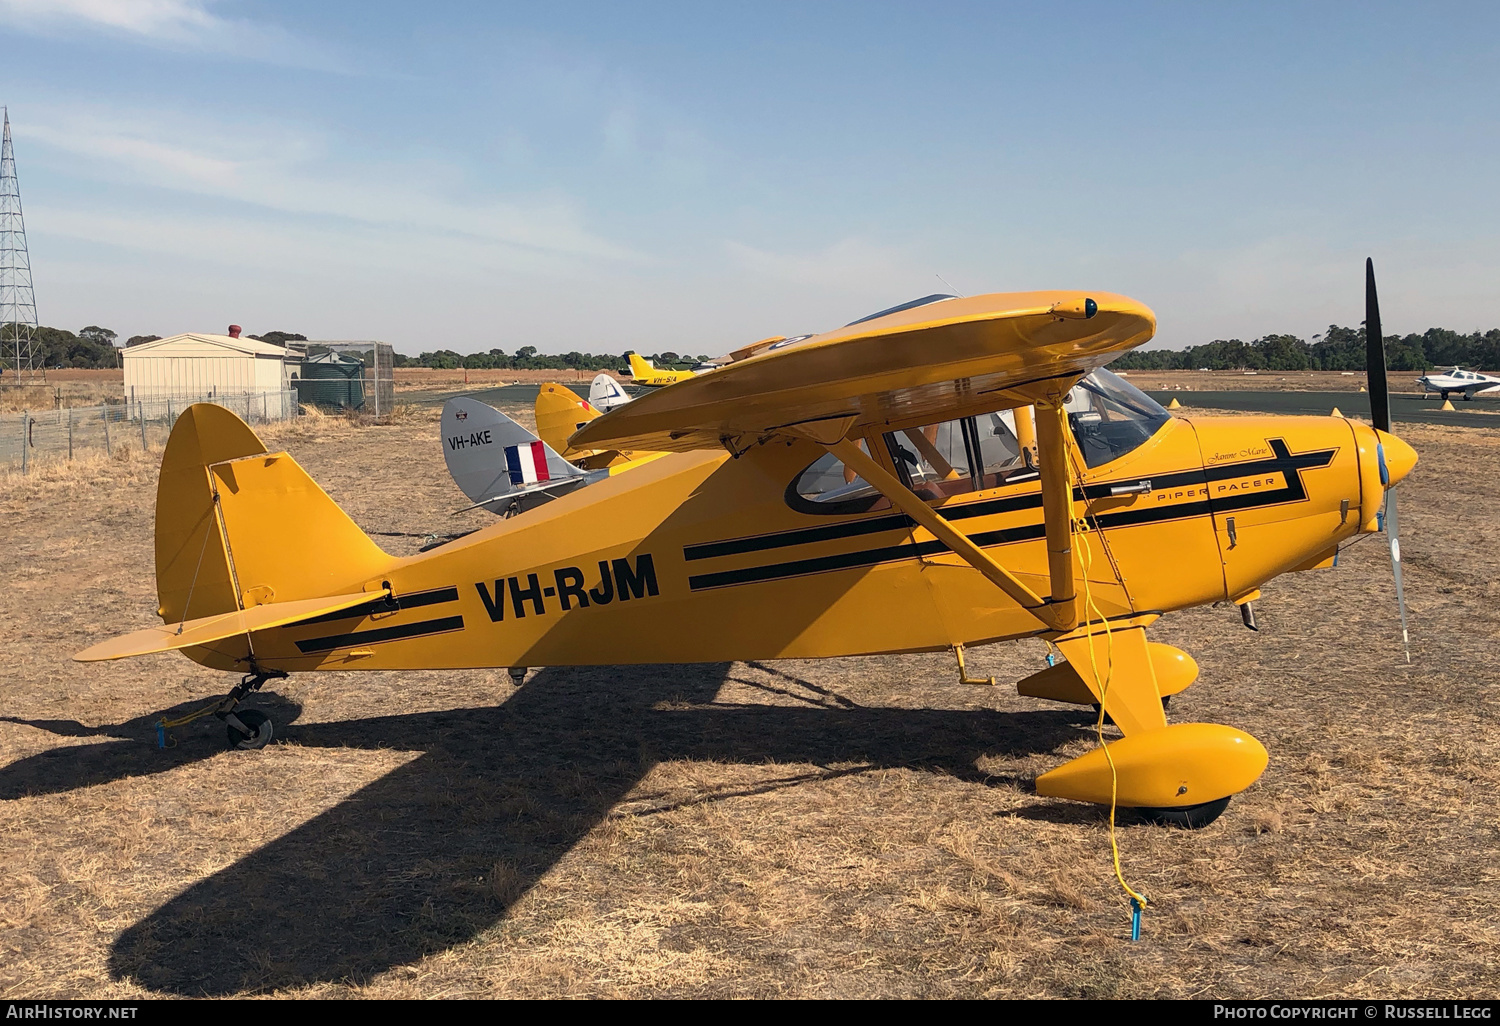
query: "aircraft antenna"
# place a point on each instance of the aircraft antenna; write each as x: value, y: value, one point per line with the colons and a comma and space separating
x: 17, y: 300
x: 951, y: 289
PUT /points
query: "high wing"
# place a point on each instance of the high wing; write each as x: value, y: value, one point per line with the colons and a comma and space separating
x: 932, y: 362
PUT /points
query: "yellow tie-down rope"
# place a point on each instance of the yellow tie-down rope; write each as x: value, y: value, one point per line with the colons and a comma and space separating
x: 1080, y: 527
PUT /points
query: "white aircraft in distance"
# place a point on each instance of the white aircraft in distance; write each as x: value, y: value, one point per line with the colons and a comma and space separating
x: 605, y: 394
x: 1455, y: 380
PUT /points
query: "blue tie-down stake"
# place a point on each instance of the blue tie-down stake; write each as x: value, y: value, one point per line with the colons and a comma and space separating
x: 161, y: 734
x: 1135, y: 919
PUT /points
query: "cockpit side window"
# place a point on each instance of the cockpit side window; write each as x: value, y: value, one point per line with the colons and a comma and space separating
x: 958, y: 456
x: 1111, y: 417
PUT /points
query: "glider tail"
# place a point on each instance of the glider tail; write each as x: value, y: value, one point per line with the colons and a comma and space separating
x: 490, y: 456
x: 238, y: 526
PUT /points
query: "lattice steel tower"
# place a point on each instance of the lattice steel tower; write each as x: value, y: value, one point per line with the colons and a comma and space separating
x: 17, y: 300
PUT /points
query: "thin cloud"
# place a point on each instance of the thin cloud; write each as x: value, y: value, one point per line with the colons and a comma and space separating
x: 182, y: 25
x: 301, y: 178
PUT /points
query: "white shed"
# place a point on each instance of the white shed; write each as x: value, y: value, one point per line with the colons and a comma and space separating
x: 192, y: 365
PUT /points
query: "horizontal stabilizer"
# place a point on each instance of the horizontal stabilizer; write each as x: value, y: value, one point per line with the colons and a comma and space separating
x: 171, y: 637
x: 546, y: 489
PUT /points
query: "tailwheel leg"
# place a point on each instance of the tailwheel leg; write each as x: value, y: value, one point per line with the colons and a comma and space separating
x: 247, y: 728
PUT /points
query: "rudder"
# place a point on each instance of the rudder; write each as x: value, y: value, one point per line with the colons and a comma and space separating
x: 191, y: 563
x: 238, y: 526
x: 559, y: 412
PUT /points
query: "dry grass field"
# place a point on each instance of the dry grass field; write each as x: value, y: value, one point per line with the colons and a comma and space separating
x: 61, y: 388
x: 854, y: 827
x: 424, y: 379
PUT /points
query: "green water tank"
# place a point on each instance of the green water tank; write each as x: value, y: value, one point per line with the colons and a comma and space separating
x: 332, y: 381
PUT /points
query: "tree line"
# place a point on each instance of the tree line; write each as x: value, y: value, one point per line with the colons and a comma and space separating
x: 1340, y: 349
x: 95, y: 346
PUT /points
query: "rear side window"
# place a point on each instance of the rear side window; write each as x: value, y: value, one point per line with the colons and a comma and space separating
x: 828, y: 487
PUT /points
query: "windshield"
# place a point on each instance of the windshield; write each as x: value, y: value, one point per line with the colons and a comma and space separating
x: 1111, y: 417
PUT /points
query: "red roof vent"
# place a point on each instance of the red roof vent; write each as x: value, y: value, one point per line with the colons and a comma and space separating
x: 234, y: 331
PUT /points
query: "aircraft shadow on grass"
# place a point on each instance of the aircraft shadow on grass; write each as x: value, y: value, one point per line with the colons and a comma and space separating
x: 399, y: 869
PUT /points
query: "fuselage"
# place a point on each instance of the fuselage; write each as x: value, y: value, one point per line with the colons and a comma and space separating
x: 644, y: 372
x: 1466, y: 382
x: 703, y: 557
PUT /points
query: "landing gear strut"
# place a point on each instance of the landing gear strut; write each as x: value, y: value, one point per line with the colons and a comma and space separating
x: 250, y: 728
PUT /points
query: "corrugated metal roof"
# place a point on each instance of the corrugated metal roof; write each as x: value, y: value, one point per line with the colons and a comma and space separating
x: 248, y: 346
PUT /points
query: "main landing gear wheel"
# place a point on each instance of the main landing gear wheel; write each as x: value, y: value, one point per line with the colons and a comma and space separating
x: 248, y: 729
x: 1189, y: 817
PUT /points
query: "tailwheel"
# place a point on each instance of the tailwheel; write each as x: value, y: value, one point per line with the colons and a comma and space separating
x: 248, y: 729
x: 1189, y: 817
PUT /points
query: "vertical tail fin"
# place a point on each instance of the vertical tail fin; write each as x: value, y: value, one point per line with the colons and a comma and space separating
x: 192, y: 566
x: 489, y: 455
x: 641, y: 367
x: 237, y: 526
x: 605, y: 393
x: 560, y: 412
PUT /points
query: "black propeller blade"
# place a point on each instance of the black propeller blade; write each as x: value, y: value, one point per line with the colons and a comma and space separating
x: 1380, y: 416
x: 1380, y: 399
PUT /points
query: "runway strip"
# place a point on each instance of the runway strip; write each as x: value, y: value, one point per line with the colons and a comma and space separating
x: 520, y: 393
x: 1404, y: 408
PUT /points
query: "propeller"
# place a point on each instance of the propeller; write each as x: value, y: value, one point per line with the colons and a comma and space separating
x: 1380, y: 416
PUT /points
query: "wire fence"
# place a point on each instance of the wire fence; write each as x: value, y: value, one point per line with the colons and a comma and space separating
x: 60, y: 434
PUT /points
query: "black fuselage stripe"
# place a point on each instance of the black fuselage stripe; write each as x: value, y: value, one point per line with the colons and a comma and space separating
x: 802, y: 536
x: 1292, y: 492
x: 413, y: 601
x: 1282, y: 461
x: 382, y: 634
x: 856, y: 528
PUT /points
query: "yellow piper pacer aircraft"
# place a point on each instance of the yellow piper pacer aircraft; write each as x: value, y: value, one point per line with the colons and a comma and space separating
x: 950, y: 474
x: 644, y: 372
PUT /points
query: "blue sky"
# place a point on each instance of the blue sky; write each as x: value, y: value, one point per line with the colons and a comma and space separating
x: 695, y: 176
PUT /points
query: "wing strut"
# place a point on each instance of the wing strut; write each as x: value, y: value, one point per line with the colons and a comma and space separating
x: 1055, y: 615
x: 1057, y: 510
